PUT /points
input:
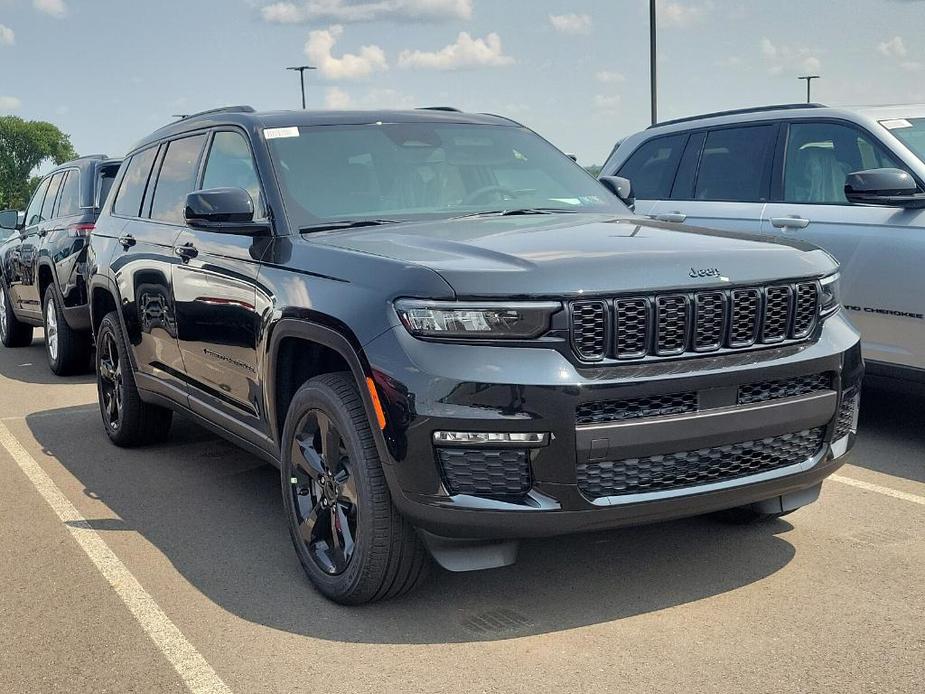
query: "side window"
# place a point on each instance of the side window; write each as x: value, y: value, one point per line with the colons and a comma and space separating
x: 69, y: 203
x: 735, y: 164
x: 48, y: 208
x: 820, y: 156
x: 176, y: 179
x: 683, y: 188
x: 132, y: 189
x: 651, y: 168
x: 34, y: 213
x: 230, y: 165
x: 107, y: 177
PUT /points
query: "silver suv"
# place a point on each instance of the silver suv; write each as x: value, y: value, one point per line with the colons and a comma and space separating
x: 851, y: 180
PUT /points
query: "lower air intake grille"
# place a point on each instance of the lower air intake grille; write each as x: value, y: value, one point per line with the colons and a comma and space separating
x: 783, y: 388
x: 846, y: 417
x: 693, y: 468
x: 485, y: 472
x: 634, y: 408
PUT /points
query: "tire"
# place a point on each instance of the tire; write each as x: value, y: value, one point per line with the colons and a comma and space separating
x: 128, y: 420
x: 13, y: 333
x: 744, y: 515
x: 68, y: 350
x: 383, y: 557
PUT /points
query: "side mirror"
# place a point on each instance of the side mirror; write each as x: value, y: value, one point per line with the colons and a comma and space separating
x: 621, y: 187
x: 9, y: 219
x: 892, y: 187
x: 224, y: 210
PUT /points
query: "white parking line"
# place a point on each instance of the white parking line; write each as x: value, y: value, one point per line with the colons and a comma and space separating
x: 196, y: 673
x: 886, y: 491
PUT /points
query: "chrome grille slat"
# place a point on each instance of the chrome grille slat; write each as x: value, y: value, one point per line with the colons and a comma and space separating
x: 677, y: 324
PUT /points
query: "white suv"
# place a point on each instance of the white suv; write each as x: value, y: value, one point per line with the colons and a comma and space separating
x: 851, y: 180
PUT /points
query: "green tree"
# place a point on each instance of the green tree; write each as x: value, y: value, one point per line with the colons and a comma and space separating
x: 24, y: 146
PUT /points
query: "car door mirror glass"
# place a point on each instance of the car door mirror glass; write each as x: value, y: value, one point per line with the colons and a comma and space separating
x: 9, y: 219
x: 892, y: 187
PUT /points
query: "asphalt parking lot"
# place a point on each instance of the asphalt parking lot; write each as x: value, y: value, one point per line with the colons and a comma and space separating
x: 170, y: 568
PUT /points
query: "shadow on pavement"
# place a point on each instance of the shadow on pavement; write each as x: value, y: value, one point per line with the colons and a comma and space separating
x: 215, y: 513
x: 30, y: 365
x: 891, y: 438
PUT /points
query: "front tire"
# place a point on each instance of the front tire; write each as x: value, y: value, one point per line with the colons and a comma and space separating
x: 129, y: 421
x: 351, y: 541
x: 13, y: 333
x: 68, y: 350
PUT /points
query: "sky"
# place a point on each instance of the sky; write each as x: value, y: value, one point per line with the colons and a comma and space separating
x: 108, y: 72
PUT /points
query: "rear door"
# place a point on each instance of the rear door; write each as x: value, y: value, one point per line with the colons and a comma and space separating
x: 651, y: 170
x: 881, y: 249
x: 218, y: 311
x: 723, y: 180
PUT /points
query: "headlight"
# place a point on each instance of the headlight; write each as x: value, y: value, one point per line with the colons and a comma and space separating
x: 831, y: 294
x: 494, y: 320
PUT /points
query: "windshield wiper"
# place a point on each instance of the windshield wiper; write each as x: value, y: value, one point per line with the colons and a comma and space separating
x: 346, y: 224
x: 517, y: 211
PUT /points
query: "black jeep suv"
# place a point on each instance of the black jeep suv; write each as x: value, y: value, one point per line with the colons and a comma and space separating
x: 448, y: 336
x: 43, y: 262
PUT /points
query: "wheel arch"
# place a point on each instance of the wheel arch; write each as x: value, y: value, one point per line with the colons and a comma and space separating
x: 333, y: 349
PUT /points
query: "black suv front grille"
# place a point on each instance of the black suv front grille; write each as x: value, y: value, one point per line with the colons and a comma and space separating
x: 668, y: 325
x: 783, y: 388
x: 493, y: 473
x: 636, y: 408
x: 671, y: 471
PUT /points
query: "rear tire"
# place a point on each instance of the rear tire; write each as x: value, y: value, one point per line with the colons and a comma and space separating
x: 68, y: 350
x: 128, y: 420
x: 352, y: 542
x: 13, y: 333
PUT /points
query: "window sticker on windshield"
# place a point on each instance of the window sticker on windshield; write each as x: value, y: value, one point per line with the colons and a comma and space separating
x: 274, y: 133
x: 895, y: 123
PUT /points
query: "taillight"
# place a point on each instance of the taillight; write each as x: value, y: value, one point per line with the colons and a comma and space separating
x: 80, y: 230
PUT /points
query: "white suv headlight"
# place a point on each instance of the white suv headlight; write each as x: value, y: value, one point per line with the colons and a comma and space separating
x: 486, y: 320
x: 829, y: 301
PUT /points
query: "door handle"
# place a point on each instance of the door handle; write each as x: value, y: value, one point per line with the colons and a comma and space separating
x: 43, y: 233
x: 676, y: 217
x: 186, y: 252
x: 789, y: 222
x: 127, y: 241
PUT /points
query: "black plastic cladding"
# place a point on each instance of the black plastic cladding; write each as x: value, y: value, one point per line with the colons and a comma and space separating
x: 671, y: 325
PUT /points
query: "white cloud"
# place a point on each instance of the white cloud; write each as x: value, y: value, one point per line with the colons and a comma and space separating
x: 350, y: 11
x: 464, y: 53
x: 607, y: 104
x: 349, y: 66
x: 7, y: 36
x: 894, y: 48
x: 53, y: 8
x: 783, y: 58
x: 9, y: 104
x: 336, y: 99
x: 682, y: 14
x: 571, y: 23
x: 609, y: 77
x: 376, y: 98
x: 912, y: 65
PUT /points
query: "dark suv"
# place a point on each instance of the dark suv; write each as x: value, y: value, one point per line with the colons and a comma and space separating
x: 43, y: 262
x: 448, y: 336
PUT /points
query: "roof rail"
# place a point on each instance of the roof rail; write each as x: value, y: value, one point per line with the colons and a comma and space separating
x: 451, y: 109
x: 223, y: 109
x: 737, y: 112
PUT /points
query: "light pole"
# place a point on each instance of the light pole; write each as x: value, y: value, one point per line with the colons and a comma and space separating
x: 301, y: 70
x: 653, y: 84
x: 809, y: 79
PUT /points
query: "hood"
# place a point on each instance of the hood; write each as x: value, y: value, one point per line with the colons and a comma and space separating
x: 581, y: 254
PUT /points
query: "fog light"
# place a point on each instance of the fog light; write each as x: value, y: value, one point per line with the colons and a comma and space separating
x: 490, y: 438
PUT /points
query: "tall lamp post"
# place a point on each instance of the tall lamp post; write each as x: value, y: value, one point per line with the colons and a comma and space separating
x: 809, y: 80
x: 301, y: 70
x: 653, y: 88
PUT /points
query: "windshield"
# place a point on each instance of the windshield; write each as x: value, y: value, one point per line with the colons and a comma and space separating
x: 911, y: 132
x: 409, y: 171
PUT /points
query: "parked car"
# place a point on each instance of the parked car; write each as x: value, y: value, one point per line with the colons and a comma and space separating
x: 851, y: 180
x: 43, y: 262
x: 449, y: 336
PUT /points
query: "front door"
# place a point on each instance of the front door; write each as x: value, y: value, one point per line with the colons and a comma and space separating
x: 881, y: 249
x: 21, y: 263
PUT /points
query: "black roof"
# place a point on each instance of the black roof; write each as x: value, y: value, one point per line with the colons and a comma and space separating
x: 87, y: 161
x: 246, y: 116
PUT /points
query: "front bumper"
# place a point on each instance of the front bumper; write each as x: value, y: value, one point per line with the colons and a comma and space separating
x: 427, y: 387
